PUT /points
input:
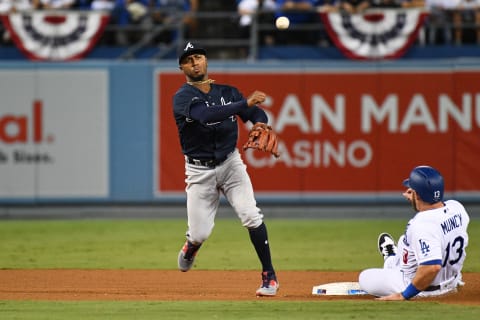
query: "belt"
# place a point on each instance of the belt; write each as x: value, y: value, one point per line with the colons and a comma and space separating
x: 212, y: 163
x: 433, y: 288
x: 447, y: 284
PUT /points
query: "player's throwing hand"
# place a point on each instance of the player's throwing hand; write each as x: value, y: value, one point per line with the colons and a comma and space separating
x: 255, y: 98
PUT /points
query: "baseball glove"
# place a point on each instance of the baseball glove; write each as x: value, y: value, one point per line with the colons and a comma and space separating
x: 262, y: 137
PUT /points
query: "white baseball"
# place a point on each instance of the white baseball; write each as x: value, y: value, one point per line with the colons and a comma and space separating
x: 282, y: 23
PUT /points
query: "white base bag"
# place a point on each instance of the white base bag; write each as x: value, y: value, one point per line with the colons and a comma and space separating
x: 338, y: 289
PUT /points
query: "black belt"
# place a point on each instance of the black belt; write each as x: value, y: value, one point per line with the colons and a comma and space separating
x: 212, y: 163
x: 433, y: 288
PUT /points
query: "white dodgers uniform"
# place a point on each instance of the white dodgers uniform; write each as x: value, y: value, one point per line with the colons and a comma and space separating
x: 437, y: 236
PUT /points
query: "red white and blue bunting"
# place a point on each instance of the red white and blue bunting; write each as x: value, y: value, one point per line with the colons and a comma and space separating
x: 375, y: 34
x: 46, y: 35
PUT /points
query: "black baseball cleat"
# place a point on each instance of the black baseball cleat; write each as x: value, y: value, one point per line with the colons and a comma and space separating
x: 186, y: 256
x: 386, y: 245
x: 269, y: 285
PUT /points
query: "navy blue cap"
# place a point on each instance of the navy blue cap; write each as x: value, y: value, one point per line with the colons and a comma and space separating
x: 190, y: 49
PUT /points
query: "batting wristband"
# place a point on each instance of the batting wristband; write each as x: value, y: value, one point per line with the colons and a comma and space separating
x: 410, y: 292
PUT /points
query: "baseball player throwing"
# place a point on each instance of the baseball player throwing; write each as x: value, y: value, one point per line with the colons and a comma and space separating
x: 430, y: 254
x: 206, y: 116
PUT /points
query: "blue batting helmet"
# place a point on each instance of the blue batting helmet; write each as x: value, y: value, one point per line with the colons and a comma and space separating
x: 427, y: 183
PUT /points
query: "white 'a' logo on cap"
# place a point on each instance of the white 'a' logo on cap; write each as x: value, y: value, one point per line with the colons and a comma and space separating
x: 188, y: 46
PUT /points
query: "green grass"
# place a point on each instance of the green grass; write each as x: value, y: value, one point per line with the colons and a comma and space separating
x: 335, y: 245
x: 251, y: 310
x: 345, y: 245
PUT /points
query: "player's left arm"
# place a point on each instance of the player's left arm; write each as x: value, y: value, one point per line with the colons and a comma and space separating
x: 426, y: 273
x: 428, y: 251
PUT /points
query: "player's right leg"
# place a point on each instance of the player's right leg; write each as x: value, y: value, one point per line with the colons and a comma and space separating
x: 390, y: 279
x: 203, y: 199
x: 381, y: 282
x: 186, y: 256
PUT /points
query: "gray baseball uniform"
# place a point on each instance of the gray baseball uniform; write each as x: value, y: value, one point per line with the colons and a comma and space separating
x: 206, y: 116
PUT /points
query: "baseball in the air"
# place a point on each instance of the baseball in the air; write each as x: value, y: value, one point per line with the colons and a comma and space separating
x: 282, y: 23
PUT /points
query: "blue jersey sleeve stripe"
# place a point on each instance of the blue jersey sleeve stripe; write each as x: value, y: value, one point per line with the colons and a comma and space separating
x: 431, y: 262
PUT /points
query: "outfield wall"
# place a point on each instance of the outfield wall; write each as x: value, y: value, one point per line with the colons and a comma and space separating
x: 103, y: 132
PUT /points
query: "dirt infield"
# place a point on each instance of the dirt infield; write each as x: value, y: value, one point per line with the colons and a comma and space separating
x: 170, y: 285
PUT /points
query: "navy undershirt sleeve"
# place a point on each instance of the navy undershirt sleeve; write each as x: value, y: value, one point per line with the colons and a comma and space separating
x: 254, y: 114
x: 201, y: 112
